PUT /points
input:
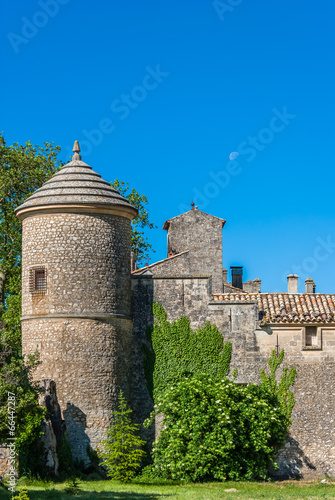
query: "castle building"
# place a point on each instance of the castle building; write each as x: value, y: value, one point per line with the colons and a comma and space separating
x: 87, y: 313
x: 255, y: 323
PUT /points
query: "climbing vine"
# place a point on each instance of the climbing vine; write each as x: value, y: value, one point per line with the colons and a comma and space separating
x: 179, y: 352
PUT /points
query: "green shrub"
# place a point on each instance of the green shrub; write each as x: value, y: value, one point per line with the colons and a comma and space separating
x: 218, y: 430
x: 16, y: 382
x: 23, y: 495
x: 72, y: 486
x: 122, y: 452
x: 65, y: 458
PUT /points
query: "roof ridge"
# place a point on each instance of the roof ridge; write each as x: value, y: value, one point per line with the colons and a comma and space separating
x: 289, y: 308
x: 160, y: 261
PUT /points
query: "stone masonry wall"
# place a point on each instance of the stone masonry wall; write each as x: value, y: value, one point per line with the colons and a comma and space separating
x: 173, y: 266
x: 310, y: 448
x: 87, y: 259
x: 89, y: 361
x: 201, y: 234
x: 82, y: 325
x: 175, y: 294
x: 4, y: 465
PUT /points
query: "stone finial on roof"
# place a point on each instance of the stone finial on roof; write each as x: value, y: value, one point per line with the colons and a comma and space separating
x: 76, y: 150
x: 192, y: 205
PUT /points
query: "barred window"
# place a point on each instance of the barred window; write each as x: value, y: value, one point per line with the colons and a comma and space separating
x: 38, y: 280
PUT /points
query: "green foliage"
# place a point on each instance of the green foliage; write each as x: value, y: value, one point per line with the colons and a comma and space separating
x: 217, y: 431
x: 16, y: 378
x: 214, y: 429
x: 122, y: 452
x: 72, y: 486
x: 178, y: 351
x: 65, y: 458
x: 23, y: 495
x: 23, y: 169
x: 139, y: 242
x: 281, y: 389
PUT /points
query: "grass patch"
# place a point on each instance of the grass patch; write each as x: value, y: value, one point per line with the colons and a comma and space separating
x: 160, y: 490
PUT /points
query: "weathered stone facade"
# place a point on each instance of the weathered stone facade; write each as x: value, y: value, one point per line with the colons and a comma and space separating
x: 81, y: 326
x: 256, y: 324
x: 201, y: 235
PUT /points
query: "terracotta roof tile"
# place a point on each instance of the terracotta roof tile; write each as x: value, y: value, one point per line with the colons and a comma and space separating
x: 282, y: 308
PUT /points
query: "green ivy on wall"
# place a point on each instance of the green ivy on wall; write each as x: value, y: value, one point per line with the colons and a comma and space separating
x: 180, y: 352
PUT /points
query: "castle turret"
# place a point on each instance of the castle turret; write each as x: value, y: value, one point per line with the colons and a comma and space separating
x: 76, y: 312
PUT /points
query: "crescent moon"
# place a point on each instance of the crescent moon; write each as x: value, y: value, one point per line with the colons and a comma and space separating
x: 233, y: 155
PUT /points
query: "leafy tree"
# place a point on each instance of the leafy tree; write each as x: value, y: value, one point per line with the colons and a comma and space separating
x: 218, y: 430
x: 139, y: 243
x: 23, y: 169
x: 122, y: 452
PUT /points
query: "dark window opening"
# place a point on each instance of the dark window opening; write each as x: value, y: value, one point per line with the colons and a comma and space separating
x: 311, y: 336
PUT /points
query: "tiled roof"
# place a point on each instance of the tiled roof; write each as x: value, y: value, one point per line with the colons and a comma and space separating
x: 287, y: 307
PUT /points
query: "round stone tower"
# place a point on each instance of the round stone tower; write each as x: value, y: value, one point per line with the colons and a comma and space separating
x: 76, y: 309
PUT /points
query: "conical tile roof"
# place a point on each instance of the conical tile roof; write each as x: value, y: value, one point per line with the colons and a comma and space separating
x: 76, y: 184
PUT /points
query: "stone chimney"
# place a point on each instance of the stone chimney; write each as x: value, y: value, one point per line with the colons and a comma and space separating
x: 309, y: 285
x: 292, y: 283
x: 224, y: 275
x: 257, y: 285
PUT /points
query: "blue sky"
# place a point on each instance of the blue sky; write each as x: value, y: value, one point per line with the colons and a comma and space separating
x: 160, y: 93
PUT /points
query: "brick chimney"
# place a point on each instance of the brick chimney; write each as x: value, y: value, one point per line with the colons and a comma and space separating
x: 292, y: 283
x: 309, y: 285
